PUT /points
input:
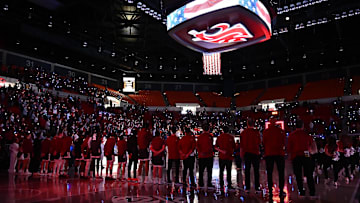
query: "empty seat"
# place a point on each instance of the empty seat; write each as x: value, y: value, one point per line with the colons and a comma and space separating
x: 213, y: 99
x: 148, y: 98
x: 246, y: 98
x: 287, y: 92
x: 323, y: 89
x: 181, y: 97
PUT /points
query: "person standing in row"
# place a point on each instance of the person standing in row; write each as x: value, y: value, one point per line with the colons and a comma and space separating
x: 187, y: 146
x: 173, y: 155
x: 143, y: 141
x: 121, y: 148
x: 109, y: 154
x: 204, y: 147
x: 274, y: 146
x: 299, y: 147
x: 250, y: 145
x: 157, y: 148
x: 225, y: 144
x: 133, y: 153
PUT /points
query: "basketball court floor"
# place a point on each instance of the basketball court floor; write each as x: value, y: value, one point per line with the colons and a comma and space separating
x: 16, y: 188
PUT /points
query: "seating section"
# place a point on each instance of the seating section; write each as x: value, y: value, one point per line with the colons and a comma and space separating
x: 283, y: 92
x: 113, y: 93
x: 181, y: 97
x: 148, y: 98
x: 355, y: 85
x: 246, y: 98
x: 213, y: 99
x: 323, y: 89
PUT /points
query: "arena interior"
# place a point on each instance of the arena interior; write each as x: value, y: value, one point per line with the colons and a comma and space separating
x: 179, y: 101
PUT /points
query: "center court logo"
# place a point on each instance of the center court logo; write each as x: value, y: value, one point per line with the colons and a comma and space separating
x: 225, y: 34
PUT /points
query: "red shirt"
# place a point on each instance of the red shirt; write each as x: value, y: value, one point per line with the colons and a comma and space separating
x: 274, y: 141
x: 250, y: 141
x: 109, y: 146
x: 121, y: 145
x: 226, y: 142
x: 144, y: 138
x: 45, y: 146
x: 157, y: 143
x: 54, y: 146
x: 27, y: 146
x: 187, y: 144
x: 204, y: 145
x: 66, y: 142
x: 172, y: 144
x: 298, y: 142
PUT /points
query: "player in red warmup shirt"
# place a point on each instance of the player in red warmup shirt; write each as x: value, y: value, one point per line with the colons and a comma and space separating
x: 250, y: 144
x: 45, y: 152
x: 299, y: 147
x: 109, y: 154
x: 274, y: 146
x: 157, y: 147
x: 122, y: 147
x: 204, y: 146
x: 66, y: 142
x: 143, y: 140
x: 27, y: 148
x: 225, y: 144
x: 173, y: 154
x: 187, y: 146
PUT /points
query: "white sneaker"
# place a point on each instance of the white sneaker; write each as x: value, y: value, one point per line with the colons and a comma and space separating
x: 336, y: 184
x: 351, y: 177
x: 347, y: 180
x: 28, y: 172
x: 21, y: 171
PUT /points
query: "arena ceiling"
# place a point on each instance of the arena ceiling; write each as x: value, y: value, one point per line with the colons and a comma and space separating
x: 118, y: 37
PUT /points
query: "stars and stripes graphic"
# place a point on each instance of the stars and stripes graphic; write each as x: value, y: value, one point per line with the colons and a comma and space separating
x: 212, y: 63
x: 199, y: 7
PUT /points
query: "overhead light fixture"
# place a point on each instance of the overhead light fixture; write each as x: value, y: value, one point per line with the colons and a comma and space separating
x: 113, y: 54
x: 304, y: 56
x: 272, y: 62
x: 341, y: 49
x: 6, y: 7
x: 85, y: 44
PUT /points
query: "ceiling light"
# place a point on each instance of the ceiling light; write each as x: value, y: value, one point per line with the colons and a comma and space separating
x: 6, y: 7
x: 138, y: 75
x: 287, y: 18
x: 85, y: 44
x: 92, y: 65
x: 80, y: 61
x: 66, y: 57
x: 113, y: 54
x: 304, y: 56
x: 151, y: 75
x: 244, y: 67
x: 341, y: 49
x: 99, y: 49
x: 146, y: 66
x: 114, y: 71
x: 35, y: 48
x: 104, y: 68
x: 17, y: 42
x: 272, y: 62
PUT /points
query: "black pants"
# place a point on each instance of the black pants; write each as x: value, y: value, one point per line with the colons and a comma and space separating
x: 189, y: 165
x: 280, y: 163
x: 301, y: 163
x: 131, y: 162
x: 336, y: 168
x: 254, y: 160
x: 228, y: 164
x: 177, y: 165
x: 208, y: 164
x: 93, y: 165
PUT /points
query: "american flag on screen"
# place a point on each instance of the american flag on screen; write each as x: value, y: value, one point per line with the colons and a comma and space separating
x: 212, y: 63
x: 200, y: 7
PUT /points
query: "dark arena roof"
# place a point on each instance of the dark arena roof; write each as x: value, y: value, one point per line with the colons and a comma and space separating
x: 116, y: 38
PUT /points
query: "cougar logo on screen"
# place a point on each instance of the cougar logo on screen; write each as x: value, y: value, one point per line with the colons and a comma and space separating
x: 225, y: 34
